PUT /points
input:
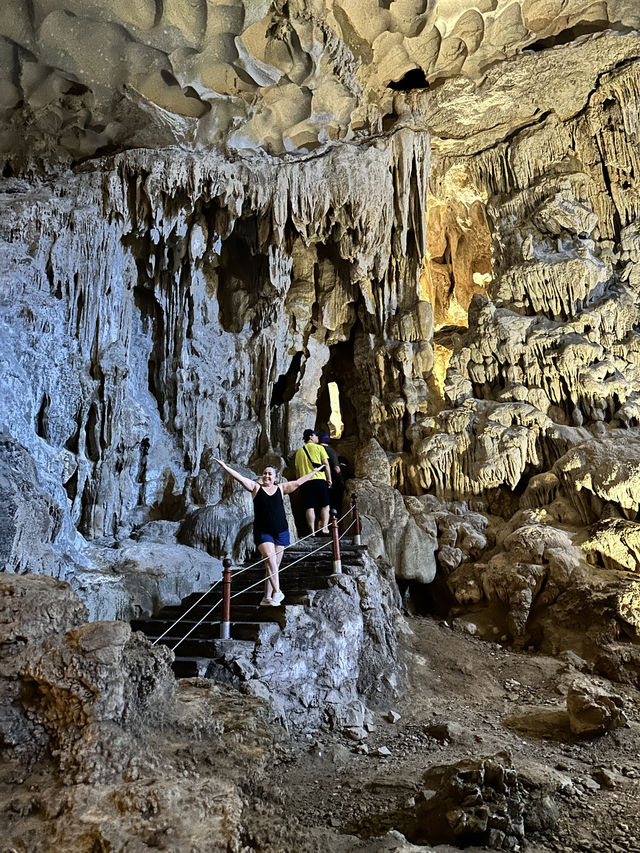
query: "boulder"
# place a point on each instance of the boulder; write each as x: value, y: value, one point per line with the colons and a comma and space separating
x: 534, y: 555
x: 392, y: 532
x: 593, y: 709
x: 80, y: 690
x: 477, y: 801
x: 372, y: 464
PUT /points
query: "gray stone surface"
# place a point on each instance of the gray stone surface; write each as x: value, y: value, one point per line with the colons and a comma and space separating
x: 332, y: 658
x: 159, y: 338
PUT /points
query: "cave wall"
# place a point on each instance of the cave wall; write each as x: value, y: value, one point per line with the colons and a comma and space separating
x: 549, y: 358
x: 156, y: 306
x: 229, y: 206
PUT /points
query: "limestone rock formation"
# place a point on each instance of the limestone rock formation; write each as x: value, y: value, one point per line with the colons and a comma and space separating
x: 593, y: 710
x: 279, y: 76
x: 277, y: 234
x: 123, y: 295
x: 212, y: 213
x: 473, y: 802
x: 77, y: 689
x: 331, y: 660
x: 128, y: 758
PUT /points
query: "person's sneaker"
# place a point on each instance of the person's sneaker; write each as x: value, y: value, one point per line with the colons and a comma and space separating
x: 266, y: 602
x: 277, y: 599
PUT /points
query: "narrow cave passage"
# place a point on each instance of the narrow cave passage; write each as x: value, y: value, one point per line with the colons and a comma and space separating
x: 339, y: 387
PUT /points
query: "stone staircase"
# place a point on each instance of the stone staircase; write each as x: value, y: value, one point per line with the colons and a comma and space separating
x: 250, y: 623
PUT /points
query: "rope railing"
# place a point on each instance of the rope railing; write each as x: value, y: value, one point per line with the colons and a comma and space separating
x: 226, y: 577
x: 225, y: 631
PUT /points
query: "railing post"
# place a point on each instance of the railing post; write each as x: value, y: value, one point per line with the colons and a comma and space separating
x: 337, y: 562
x: 357, y: 537
x: 225, y: 625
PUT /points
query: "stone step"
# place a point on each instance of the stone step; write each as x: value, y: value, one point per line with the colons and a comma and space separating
x: 253, y: 576
x: 210, y: 627
x: 203, y: 647
x: 249, y: 621
x: 316, y: 541
x: 185, y: 666
x: 290, y: 586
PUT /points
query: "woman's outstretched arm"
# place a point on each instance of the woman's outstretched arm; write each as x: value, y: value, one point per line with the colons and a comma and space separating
x: 292, y: 485
x: 250, y: 485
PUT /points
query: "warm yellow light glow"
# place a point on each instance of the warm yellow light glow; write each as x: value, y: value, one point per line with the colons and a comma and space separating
x: 441, y: 359
x: 336, y: 426
x: 458, y: 260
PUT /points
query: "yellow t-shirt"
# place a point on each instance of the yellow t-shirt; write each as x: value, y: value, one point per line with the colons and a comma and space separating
x: 318, y: 454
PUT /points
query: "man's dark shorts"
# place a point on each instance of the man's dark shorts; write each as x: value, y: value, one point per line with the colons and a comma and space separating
x: 315, y: 494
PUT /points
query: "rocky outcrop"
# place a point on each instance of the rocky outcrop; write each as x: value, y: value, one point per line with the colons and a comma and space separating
x: 474, y: 802
x: 593, y: 709
x: 129, y: 756
x: 132, y: 579
x: 331, y: 660
x: 79, y: 690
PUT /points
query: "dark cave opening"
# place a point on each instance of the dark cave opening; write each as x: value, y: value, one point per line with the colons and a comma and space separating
x: 153, y: 322
x: 92, y: 430
x: 42, y: 418
x: 286, y: 384
x: 71, y: 486
x: 413, y: 79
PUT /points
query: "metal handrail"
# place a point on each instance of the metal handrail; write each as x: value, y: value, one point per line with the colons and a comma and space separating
x: 257, y: 583
x: 239, y: 572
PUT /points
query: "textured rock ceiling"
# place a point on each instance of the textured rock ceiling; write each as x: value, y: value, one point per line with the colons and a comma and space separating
x: 79, y: 77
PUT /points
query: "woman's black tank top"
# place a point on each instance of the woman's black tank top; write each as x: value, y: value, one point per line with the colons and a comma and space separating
x: 269, y: 514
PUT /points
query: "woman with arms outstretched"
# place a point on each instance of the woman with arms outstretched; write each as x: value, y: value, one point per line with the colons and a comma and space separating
x: 270, y: 528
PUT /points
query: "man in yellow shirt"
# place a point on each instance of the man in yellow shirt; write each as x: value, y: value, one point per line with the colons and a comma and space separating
x: 315, y: 492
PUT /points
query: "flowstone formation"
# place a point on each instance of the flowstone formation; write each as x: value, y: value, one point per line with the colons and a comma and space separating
x: 196, y: 307
x: 80, y: 78
x: 537, y: 420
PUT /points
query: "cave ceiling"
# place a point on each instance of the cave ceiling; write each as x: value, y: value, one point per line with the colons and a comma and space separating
x: 82, y: 78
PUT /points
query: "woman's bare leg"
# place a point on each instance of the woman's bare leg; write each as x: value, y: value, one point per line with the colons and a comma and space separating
x: 271, y: 580
x: 279, y: 555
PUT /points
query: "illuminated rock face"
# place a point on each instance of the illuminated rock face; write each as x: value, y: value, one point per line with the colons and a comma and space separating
x: 550, y: 356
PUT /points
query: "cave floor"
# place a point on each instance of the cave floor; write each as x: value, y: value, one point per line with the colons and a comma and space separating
x: 221, y: 777
x: 494, y: 700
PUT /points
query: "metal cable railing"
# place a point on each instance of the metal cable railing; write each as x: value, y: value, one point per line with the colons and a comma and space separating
x: 258, y: 583
x: 337, y: 566
x: 236, y: 574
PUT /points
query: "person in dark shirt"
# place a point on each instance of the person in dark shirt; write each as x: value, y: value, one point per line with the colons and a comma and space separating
x: 336, y: 490
x: 270, y: 528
